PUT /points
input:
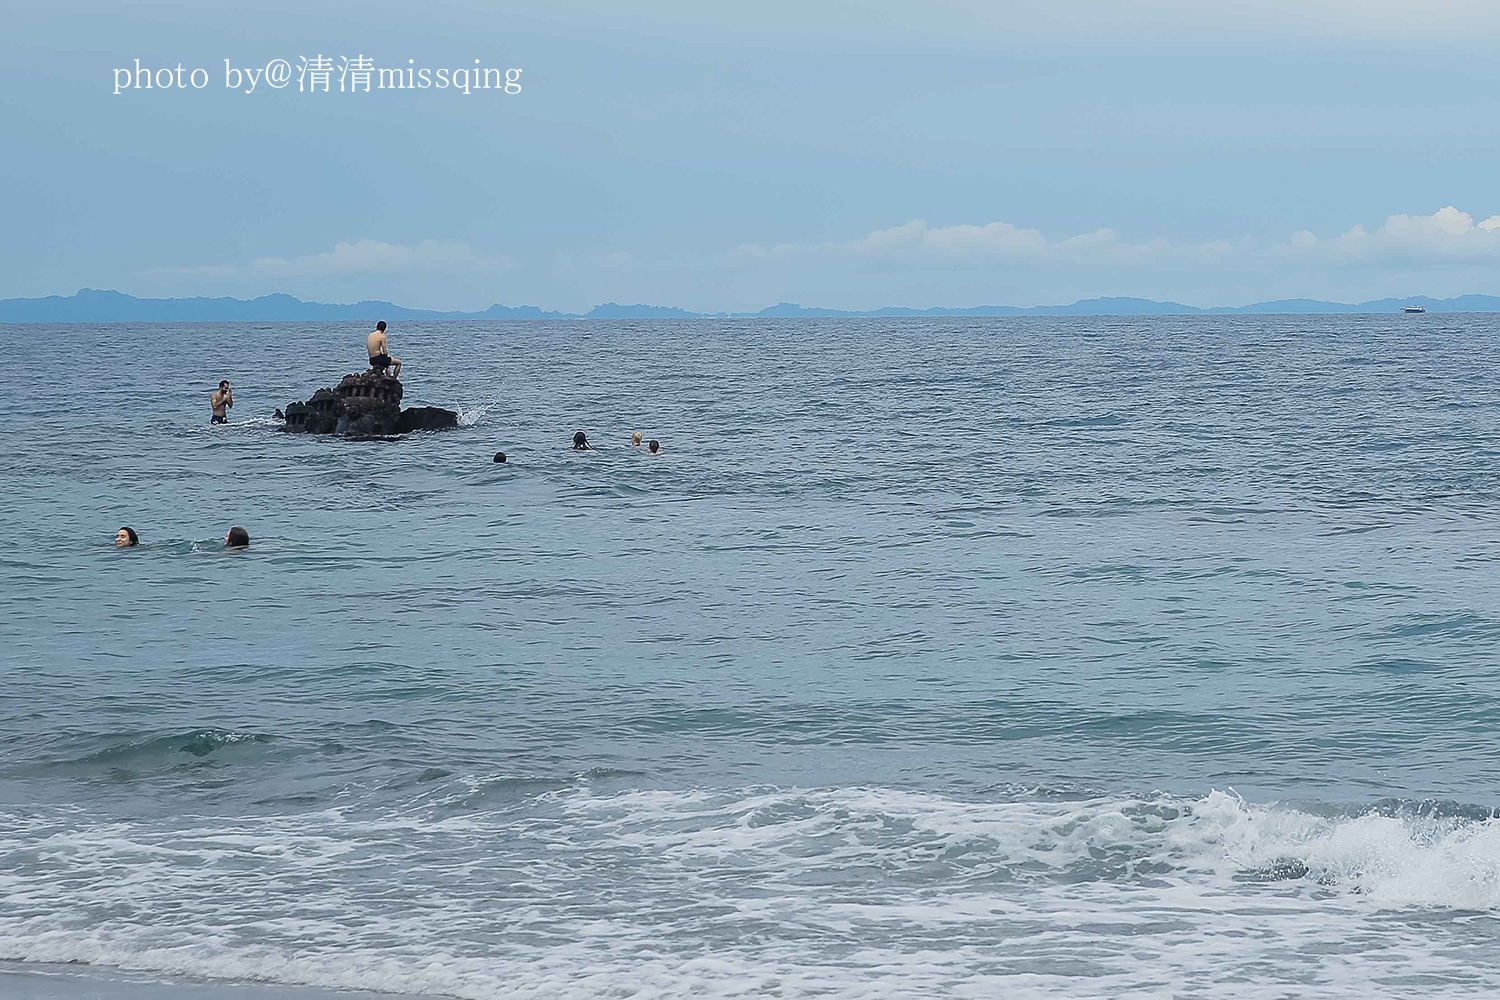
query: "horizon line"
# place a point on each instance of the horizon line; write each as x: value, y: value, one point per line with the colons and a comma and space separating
x: 90, y: 305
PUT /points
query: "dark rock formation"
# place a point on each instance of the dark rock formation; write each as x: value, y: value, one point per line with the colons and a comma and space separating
x: 426, y: 418
x: 364, y: 405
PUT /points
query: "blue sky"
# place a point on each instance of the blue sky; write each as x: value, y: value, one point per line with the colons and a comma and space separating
x: 714, y: 157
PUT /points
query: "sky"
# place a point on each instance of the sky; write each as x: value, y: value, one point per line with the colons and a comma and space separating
x: 727, y: 157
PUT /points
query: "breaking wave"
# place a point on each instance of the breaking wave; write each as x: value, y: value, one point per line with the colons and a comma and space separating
x: 852, y: 892
x: 195, y: 743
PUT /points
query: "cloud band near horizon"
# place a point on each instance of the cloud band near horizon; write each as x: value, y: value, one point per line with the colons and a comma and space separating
x: 1448, y: 237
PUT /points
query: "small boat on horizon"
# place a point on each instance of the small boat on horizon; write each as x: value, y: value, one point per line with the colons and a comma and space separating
x: 1414, y: 309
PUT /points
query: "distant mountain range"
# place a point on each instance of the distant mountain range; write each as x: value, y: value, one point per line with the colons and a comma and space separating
x: 94, y: 306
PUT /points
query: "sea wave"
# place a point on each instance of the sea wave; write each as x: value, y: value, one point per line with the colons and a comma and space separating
x: 850, y: 892
x: 151, y: 751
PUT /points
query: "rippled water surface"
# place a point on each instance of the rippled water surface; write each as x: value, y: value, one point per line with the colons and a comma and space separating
x: 1023, y: 658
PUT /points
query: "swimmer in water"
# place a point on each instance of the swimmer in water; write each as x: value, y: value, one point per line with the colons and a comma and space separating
x: 635, y: 440
x: 220, y: 402
x: 500, y: 457
x: 581, y: 442
x: 126, y: 537
x: 654, y: 447
x: 236, y: 538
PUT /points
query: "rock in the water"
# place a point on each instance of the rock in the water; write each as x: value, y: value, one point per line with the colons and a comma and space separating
x: 364, y: 405
x: 426, y: 418
x: 319, y: 415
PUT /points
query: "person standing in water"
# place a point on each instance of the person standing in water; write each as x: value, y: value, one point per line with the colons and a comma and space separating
x: 220, y: 402
x: 379, y: 351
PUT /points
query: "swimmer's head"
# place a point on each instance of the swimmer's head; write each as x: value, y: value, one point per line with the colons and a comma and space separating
x: 635, y: 439
x: 500, y: 456
x: 580, y: 441
x: 236, y: 538
x: 223, y: 384
x: 380, y: 326
x: 654, y: 446
x: 125, y: 538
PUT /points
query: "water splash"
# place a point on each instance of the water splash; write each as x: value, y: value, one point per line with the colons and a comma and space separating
x: 471, y: 415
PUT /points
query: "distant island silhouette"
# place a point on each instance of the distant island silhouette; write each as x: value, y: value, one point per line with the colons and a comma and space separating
x: 90, y: 305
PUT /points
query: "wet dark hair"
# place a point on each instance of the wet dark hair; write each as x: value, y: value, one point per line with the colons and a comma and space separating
x: 499, y: 456
x: 237, y: 537
x: 380, y: 326
x: 580, y: 440
x: 223, y: 382
x: 130, y: 533
x: 653, y: 446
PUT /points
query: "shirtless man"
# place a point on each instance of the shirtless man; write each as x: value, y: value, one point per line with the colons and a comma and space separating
x: 379, y: 351
x: 220, y: 402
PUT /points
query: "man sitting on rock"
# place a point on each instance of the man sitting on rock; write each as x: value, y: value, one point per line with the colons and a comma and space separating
x: 376, y: 347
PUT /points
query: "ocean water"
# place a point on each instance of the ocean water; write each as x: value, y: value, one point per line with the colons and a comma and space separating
x: 994, y: 658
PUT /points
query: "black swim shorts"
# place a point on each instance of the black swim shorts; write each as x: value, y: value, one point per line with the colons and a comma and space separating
x: 219, y: 420
x: 380, y: 361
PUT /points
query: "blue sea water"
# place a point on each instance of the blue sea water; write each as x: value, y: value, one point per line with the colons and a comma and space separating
x: 944, y: 658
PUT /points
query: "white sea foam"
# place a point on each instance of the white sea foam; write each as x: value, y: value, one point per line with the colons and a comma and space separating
x: 468, y: 416
x: 858, y: 893
x: 248, y: 423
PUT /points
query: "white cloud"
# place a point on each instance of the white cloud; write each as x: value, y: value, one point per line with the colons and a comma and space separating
x: 1447, y: 235
x: 1444, y: 236
x: 1000, y: 241
x: 359, y: 257
x: 955, y: 241
x: 1445, y: 252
